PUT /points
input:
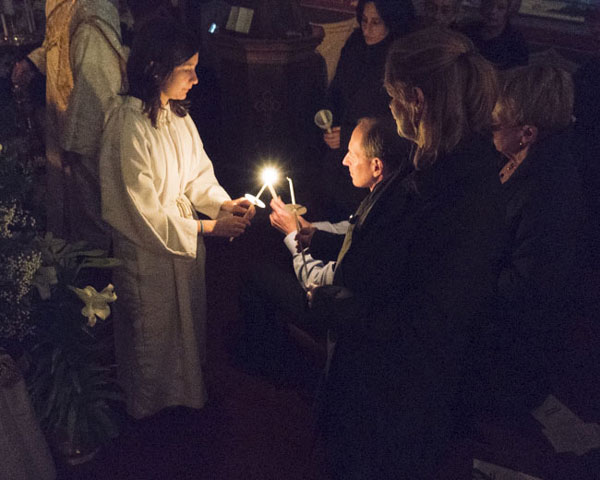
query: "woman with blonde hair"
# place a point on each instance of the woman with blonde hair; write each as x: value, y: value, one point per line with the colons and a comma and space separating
x: 442, y: 91
x: 415, y: 282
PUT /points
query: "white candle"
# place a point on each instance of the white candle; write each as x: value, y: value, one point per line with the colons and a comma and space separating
x: 292, y: 191
x: 262, y: 189
x: 269, y: 176
x: 4, y: 27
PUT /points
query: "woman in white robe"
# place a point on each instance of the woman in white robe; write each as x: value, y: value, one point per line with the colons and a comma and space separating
x: 154, y: 176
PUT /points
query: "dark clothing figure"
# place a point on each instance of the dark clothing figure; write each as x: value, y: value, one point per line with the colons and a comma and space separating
x: 507, y: 50
x: 356, y: 91
x: 270, y: 299
x: 587, y: 94
x: 423, y: 269
x: 326, y: 246
x: 586, y: 146
x: 545, y: 218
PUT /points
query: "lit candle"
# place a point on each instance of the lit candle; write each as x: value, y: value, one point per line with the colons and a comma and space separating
x: 256, y: 200
x: 269, y: 176
x: 262, y: 189
x: 292, y: 191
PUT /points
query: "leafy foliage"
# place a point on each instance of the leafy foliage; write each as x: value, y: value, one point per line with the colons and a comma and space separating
x: 72, y: 386
x: 72, y: 382
x: 19, y: 258
x: 72, y: 376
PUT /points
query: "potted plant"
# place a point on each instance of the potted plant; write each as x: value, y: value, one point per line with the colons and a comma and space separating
x: 72, y: 380
x: 48, y: 317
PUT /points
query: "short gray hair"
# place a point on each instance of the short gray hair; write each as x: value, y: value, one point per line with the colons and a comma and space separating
x: 381, y: 140
x: 538, y: 95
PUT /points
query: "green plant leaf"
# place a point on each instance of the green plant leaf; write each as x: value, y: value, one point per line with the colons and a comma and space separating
x: 100, y: 263
x: 50, y: 405
x: 56, y: 357
x: 108, y: 424
x: 64, y: 397
x: 76, y: 383
x: 71, y: 422
x: 97, y: 252
x: 109, y: 395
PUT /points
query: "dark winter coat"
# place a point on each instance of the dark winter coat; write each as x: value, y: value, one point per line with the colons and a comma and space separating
x: 507, y: 50
x: 423, y: 270
x: 357, y: 90
x: 545, y: 215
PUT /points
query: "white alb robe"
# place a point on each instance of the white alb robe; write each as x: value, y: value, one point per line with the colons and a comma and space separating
x: 98, y: 63
x: 84, y: 64
x: 153, y: 180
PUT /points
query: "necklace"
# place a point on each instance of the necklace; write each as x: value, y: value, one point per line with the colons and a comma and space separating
x: 509, y: 168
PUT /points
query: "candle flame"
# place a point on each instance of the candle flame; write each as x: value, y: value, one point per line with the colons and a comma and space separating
x: 270, y: 175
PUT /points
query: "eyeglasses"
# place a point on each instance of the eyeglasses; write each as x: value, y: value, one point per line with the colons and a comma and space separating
x: 496, y: 127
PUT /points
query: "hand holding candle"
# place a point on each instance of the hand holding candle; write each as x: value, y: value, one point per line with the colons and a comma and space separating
x: 293, y: 207
x: 269, y: 177
x: 287, y: 225
x: 239, y: 207
x: 255, y: 200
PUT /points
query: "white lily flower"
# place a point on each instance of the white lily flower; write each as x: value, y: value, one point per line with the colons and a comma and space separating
x: 96, y: 303
x: 44, y: 278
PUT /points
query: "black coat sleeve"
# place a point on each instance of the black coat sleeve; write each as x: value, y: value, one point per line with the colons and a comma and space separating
x: 325, y: 245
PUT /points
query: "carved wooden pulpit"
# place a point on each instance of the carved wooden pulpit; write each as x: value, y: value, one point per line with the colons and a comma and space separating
x: 272, y: 83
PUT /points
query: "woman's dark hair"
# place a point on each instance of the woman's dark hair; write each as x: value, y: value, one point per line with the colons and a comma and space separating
x: 159, y: 47
x: 398, y: 15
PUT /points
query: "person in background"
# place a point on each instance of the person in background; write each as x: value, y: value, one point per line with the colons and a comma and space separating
x: 495, y: 37
x: 443, y: 13
x: 357, y: 91
x: 155, y: 176
x: 83, y: 61
x: 97, y: 62
x: 545, y: 217
x: 416, y: 280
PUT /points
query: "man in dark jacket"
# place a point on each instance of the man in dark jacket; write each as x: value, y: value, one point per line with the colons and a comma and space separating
x: 376, y: 156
